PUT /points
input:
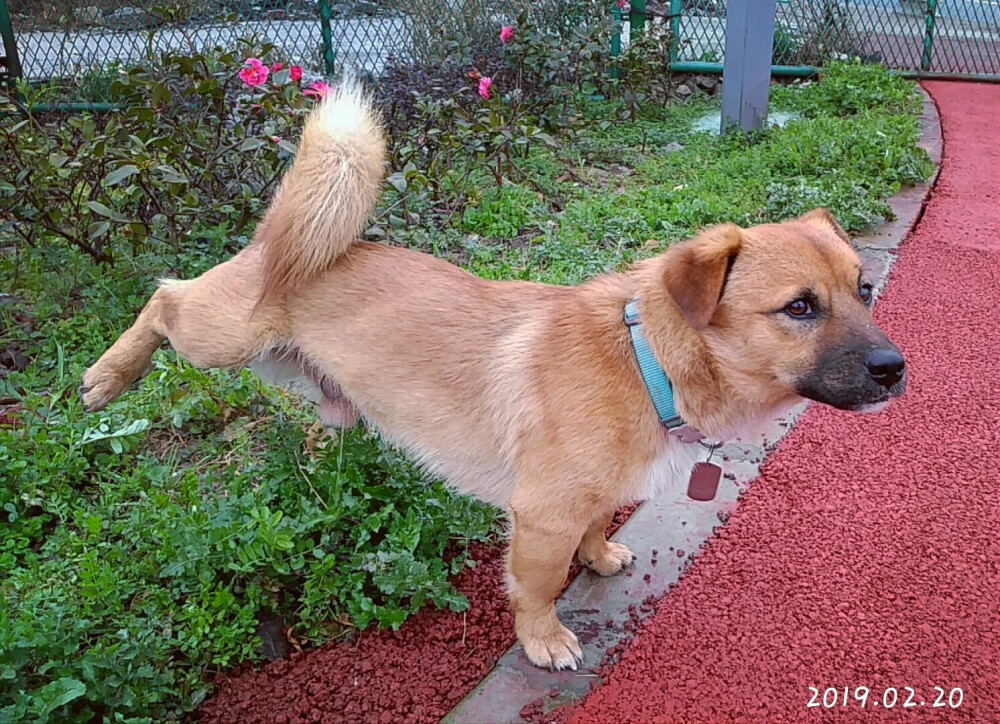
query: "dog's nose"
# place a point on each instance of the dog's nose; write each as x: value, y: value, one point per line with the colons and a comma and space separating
x: 886, y: 366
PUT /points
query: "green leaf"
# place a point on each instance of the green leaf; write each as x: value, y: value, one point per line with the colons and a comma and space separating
x: 252, y: 144
x: 98, y: 208
x: 61, y: 692
x: 118, y: 175
x: 171, y: 175
x: 390, y: 617
x: 398, y: 182
x: 98, y: 228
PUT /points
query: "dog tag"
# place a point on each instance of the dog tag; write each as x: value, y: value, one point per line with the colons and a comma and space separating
x: 704, y: 481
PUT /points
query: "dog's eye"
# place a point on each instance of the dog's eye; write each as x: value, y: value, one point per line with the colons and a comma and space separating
x: 800, y: 309
x: 865, y: 293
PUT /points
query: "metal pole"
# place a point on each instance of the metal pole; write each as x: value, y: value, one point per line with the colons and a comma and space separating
x: 704, y: 68
x: 675, y: 31
x: 636, y: 18
x: 9, y: 45
x: 746, y: 75
x: 930, y: 15
x: 616, y: 40
x: 329, y: 61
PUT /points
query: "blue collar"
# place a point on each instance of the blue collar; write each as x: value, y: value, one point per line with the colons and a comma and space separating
x: 657, y: 384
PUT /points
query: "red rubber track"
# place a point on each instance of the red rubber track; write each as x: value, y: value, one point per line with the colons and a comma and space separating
x: 866, y: 553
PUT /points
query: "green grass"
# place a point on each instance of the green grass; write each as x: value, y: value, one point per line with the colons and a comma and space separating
x: 141, y: 544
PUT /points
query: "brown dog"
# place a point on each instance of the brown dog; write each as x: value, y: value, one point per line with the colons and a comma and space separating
x: 525, y: 395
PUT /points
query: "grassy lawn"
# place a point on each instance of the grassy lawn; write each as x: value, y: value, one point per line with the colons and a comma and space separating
x: 141, y: 546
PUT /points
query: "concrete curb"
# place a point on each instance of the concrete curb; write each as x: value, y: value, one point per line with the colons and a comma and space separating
x: 666, y: 533
x: 878, y: 249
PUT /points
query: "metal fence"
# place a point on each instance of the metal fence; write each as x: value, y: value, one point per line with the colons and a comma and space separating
x: 71, y: 39
x: 954, y: 38
x: 75, y: 40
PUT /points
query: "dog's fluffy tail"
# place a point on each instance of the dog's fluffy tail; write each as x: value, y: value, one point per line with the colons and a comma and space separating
x: 327, y: 195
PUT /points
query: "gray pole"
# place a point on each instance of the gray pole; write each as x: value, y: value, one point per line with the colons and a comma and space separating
x: 746, y: 74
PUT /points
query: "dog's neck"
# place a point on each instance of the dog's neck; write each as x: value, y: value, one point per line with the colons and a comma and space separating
x: 658, y: 385
x: 702, y: 398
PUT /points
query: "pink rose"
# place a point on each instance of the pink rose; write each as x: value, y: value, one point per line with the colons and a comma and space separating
x: 484, y: 88
x: 276, y: 67
x: 295, y: 73
x: 319, y: 89
x: 506, y: 34
x: 621, y: 4
x: 254, y: 73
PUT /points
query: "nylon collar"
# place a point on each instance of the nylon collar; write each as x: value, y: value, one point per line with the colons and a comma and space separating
x: 661, y: 392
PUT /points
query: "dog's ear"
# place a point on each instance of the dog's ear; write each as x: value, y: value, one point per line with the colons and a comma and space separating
x: 696, y: 271
x: 824, y: 219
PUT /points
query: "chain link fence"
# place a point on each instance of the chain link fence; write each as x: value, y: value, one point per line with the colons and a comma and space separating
x: 79, y: 41
x: 947, y: 37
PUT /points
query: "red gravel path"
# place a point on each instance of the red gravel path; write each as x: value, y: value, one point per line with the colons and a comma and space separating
x: 866, y: 553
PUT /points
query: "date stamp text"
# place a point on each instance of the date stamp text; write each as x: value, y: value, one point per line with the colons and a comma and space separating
x: 905, y: 697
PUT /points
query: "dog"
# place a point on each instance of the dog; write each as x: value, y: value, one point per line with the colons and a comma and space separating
x: 528, y: 396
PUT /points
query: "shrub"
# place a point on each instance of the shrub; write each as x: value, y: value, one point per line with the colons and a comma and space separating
x: 644, y: 69
x: 189, y: 133
x: 445, y: 132
x: 851, y: 87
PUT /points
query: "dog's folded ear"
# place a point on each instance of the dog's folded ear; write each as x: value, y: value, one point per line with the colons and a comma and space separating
x: 824, y: 219
x: 695, y: 272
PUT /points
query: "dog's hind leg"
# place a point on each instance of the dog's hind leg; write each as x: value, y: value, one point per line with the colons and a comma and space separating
x: 212, y: 321
x: 128, y: 359
x: 600, y: 555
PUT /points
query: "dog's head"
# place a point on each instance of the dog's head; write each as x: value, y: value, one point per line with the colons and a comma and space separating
x: 786, y: 311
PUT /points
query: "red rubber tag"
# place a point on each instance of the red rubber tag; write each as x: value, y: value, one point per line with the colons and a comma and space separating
x: 704, y: 481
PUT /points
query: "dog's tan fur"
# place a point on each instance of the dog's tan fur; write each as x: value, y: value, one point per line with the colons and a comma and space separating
x: 525, y: 395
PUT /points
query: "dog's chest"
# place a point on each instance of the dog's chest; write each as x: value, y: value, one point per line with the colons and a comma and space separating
x: 670, y: 471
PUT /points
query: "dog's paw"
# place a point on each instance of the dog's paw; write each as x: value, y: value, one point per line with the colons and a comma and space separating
x: 611, y: 559
x: 555, y: 649
x: 99, y: 387
x: 97, y: 391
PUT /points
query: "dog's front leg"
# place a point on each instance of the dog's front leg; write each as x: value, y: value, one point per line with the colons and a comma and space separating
x: 541, y: 550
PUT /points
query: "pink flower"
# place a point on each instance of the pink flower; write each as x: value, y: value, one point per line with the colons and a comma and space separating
x: 276, y: 67
x: 275, y: 139
x: 319, y: 89
x: 506, y: 34
x: 295, y: 73
x: 621, y: 4
x: 484, y: 88
x: 254, y: 73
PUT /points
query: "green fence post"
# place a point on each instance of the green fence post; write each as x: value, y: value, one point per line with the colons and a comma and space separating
x: 930, y: 15
x: 9, y: 45
x: 636, y: 18
x: 616, y: 40
x: 675, y: 31
x: 324, y: 19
